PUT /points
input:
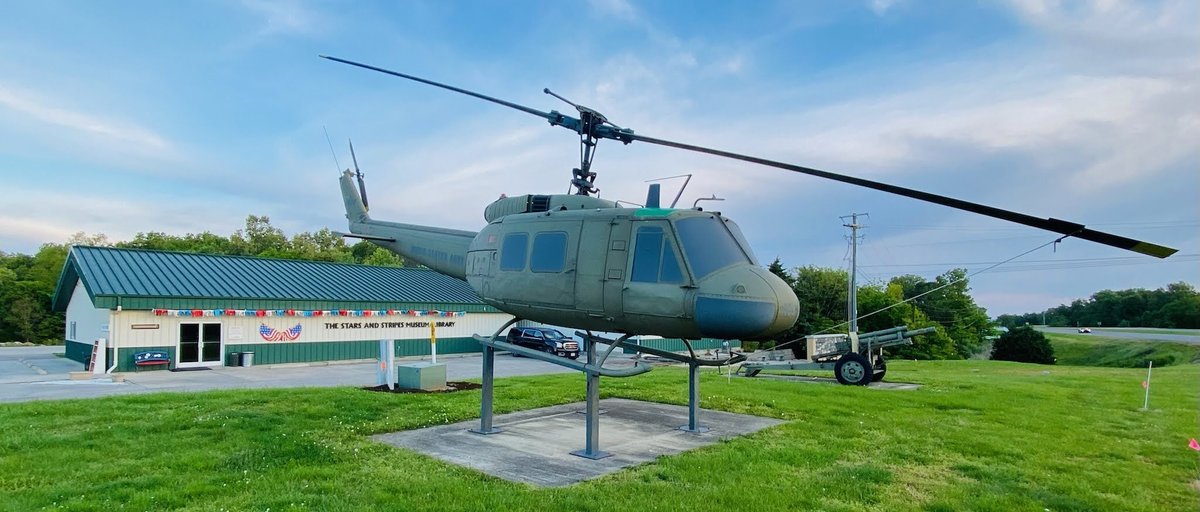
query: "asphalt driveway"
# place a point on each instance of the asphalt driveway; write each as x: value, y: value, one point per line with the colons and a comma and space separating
x: 35, y: 373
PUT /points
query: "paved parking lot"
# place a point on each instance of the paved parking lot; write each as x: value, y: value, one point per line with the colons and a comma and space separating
x: 35, y: 373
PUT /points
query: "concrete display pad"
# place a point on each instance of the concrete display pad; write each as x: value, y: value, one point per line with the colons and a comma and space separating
x: 535, y: 446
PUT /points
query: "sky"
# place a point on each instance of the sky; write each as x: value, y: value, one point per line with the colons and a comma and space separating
x: 182, y: 117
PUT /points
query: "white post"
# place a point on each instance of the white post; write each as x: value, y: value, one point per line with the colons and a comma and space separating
x: 1146, y: 403
x: 386, y: 376
x: 433, y: 340
x: 101, y: 348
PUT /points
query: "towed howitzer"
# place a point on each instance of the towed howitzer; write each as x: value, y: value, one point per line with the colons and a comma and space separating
x: 855, y: 359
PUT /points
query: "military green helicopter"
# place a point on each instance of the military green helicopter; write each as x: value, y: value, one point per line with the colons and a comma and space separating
x: 580, y: 261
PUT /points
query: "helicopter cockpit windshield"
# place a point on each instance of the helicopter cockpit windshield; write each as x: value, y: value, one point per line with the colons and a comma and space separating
x: 708, y: 245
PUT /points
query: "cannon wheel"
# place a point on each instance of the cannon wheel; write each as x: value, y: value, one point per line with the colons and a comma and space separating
x: 880, y: 369
x: 853, y: 370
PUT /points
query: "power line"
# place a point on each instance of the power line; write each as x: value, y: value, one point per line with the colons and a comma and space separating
x: 1130, y: 259
x: 852, y: 303
x: 963, y: 278
x: 936, y: 227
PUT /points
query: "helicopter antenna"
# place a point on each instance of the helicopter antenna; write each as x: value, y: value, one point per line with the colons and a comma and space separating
x: 593, y: 126
x: 681, y: 189
x: 362, y: 186
x: 331, y: 151
x: 714, y: 197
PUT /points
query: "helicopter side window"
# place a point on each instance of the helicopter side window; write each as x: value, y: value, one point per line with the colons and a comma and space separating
x: 741, y: 239
x: 671, y: 272
x: 654, y: 258
x: 512, y: 253
x: 549, y: 252
x: 709, y: 246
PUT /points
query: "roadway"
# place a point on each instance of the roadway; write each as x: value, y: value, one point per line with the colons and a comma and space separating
x: 1123, y: 334
x: 36, y: 373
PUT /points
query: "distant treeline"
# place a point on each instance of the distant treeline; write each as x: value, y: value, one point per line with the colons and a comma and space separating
x: 944, y: 303
x: 27, y: 282
x: 1176, y: 306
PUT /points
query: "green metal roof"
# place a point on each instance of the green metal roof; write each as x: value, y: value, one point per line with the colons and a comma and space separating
x: 133, y: 278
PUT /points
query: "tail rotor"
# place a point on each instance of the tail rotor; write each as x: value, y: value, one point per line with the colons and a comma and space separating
x: 362, y: 186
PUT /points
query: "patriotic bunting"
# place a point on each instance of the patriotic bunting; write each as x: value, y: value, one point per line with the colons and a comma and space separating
x: 307, y: 313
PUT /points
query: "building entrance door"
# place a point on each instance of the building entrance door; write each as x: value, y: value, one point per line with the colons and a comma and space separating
x: 199, y: 345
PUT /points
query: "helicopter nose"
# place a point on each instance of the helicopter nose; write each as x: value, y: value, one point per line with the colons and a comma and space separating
x: 745, y: 303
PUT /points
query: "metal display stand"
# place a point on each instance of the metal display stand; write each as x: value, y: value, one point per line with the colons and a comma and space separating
x: 593, y: 368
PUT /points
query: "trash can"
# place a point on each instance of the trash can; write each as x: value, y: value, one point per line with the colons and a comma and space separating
x: 235, y: 359
x: 246, y: 359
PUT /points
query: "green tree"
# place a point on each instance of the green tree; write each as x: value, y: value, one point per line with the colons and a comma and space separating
x: 822, y: 293
x: 1177, y: 305
x: 260, y: 238
x: 1023, y: 345
x: 936, y: 345
x: 383, y: 258
x: 776, y: 267
x: 947, y: 301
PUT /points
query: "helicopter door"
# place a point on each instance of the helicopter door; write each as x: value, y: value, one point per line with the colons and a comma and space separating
x: 614, y: 267
x: 656, y: 274
x: 589, y: 274
x: 549, y: 277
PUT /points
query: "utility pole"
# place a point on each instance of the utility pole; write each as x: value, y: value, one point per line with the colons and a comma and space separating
x: 852, y: 302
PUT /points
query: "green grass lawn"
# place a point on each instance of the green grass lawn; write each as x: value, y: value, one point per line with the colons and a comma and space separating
x: 1151, y: 330
x: 979, y: 435
x: 1097, y: 350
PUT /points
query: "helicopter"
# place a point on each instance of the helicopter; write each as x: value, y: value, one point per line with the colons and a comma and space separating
x: 580, y: 261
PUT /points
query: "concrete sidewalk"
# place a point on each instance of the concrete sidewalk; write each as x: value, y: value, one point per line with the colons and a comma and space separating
x: 35, y: 373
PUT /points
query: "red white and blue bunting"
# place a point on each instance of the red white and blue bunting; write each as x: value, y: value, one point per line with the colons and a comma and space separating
x: 306, y: 313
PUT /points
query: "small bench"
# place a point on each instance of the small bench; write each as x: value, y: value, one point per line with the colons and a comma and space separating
x: 151, y: 358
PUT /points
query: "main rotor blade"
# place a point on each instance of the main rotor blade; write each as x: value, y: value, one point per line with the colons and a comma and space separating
x: 1049, y: 224
x: 549, y: 116
x: 603, y: 131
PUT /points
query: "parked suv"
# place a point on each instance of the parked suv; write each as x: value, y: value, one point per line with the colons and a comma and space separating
x: 545, y: 340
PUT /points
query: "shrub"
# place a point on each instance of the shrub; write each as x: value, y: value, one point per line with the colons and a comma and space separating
x: 1023, y: 345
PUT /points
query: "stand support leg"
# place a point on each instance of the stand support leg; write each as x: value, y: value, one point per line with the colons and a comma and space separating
x: 693, y: 401
x: 592, y: 449
x: 485, y: 406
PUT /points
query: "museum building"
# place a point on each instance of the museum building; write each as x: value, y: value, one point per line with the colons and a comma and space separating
x: 202, y: 310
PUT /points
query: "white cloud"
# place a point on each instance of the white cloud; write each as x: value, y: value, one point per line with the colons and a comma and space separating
x: 620, y: 9
x: 881, y: 7
x: 24, y: 234
x: 31, y: 216
x: 109, y: 131
x: 284, y: 17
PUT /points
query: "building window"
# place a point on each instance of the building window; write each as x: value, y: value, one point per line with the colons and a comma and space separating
x: 549, y: 252
x: 73, y: 336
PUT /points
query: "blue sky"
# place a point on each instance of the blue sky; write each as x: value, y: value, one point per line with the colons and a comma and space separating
x: 123, y: 117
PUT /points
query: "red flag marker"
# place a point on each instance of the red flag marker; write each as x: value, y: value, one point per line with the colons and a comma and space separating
x: 1193, y: 444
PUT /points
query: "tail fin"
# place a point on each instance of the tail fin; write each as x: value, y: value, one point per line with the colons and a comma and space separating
x: 356, y: 211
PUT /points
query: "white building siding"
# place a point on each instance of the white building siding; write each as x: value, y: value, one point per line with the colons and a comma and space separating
x: 85, y: 322
x: 145, y: 329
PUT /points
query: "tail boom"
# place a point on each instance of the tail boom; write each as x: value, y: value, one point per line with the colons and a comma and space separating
x: 443, y: 250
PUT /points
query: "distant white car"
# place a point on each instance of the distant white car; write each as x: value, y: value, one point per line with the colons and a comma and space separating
x: 1084, y: 330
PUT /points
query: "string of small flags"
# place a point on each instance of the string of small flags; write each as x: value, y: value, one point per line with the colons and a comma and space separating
x: 305, y: 312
